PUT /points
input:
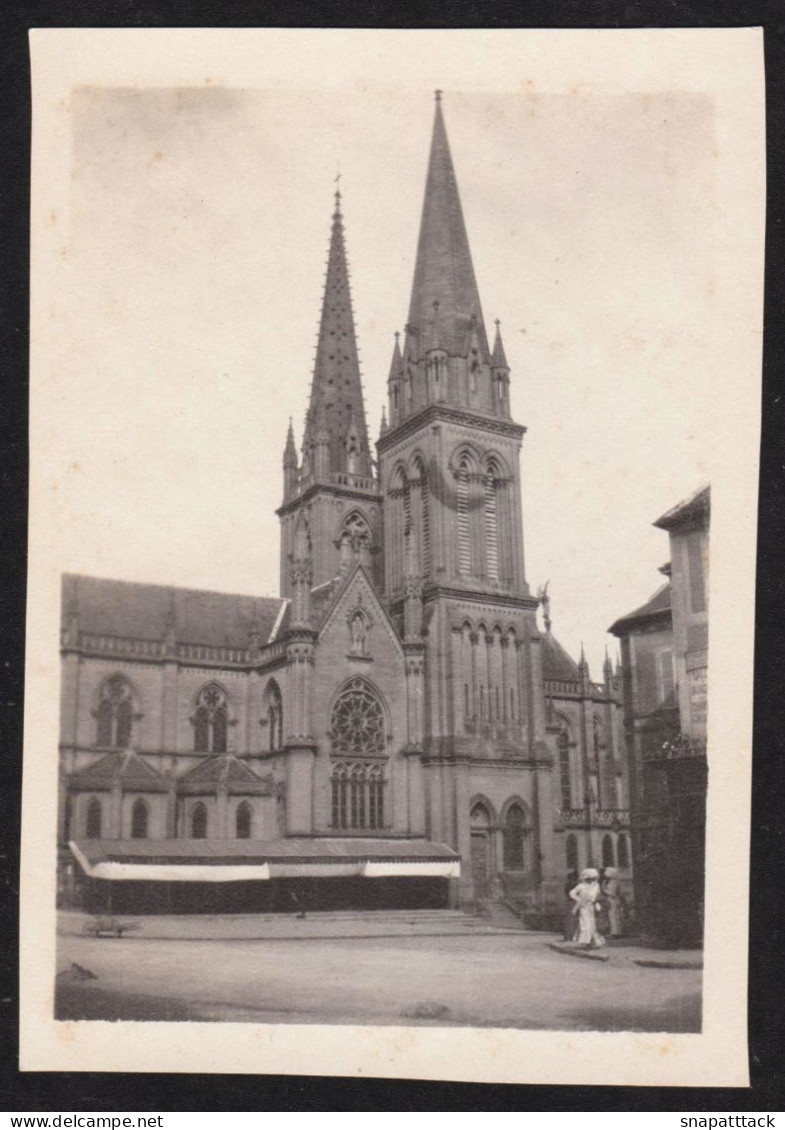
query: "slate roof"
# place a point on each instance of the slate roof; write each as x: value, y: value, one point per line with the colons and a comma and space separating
x: 126, y: 768
x: 557, y: 665
x: 141, y: 611
x: 657, y: 607
x: 444, y: 272
x: 224, y: 771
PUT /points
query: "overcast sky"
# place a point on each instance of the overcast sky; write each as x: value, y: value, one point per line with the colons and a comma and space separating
x: 189, y: 291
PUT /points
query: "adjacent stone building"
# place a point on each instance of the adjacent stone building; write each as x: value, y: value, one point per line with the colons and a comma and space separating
x: 394, y: 729
x: 664, y: 647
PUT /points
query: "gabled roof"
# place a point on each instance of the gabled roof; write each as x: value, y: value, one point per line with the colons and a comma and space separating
x: 658, y: 607
x: 140, y: 611
x: 125, y: 768
x: 224, y: 771
x: 557, y: 665
x: 339, y: 590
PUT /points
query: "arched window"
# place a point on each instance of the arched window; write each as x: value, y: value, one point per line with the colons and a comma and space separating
x: 114, y: 716
x: 396, y: 528
x: 139, y: 820
x: 93, y: 821
x: 462, y: 510
x: 623, y: 850
x: 274, y: 716
x: 199, y: 822
x: 608, y: 859
x: 357, y: 795
x: 565, y: 773
x: 514, y: 835
x: 211, y: 721
x: 491, y: 530
x: 420, y: 516
x: 571, y: 851
x: 242, y: 821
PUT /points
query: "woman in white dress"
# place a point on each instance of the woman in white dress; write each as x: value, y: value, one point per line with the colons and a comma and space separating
x: 585, y: 896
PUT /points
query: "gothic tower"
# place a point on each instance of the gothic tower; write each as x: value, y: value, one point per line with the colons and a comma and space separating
x: 450, y: 482
x: 332, y: 488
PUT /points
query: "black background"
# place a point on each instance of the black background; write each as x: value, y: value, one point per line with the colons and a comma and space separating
x: 154, y: 1093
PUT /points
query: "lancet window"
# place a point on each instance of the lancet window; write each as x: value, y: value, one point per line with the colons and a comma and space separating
x: 139, y: 820
x: 274, y: 717
x: 211, y: 721
x: 93, y: 821
x: 514, y: 838
x: 243, y: 820
x: 114, y: 716
x: 565, y: 772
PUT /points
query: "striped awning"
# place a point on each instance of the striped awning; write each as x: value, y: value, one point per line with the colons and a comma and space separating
x: 227, y: 861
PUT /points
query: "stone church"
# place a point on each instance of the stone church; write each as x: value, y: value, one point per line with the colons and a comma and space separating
x: 395, y: 729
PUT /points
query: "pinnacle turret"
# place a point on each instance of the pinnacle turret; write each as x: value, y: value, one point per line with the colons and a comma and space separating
x: 498, y: 359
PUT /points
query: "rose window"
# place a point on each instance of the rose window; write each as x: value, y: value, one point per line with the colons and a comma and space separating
x: 358, y: 721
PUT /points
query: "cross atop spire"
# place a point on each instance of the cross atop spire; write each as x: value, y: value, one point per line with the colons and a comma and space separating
x: 336, y: 405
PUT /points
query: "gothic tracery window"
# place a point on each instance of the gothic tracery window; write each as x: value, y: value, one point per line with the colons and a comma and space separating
x: 514, y: 834
x: 357, y: 724
x: 211, y: 721
x: 114, y: 716
x: 357, y: 796
x: 565, y: 775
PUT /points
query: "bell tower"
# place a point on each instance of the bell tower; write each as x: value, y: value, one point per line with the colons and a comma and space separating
x: 450, y: 483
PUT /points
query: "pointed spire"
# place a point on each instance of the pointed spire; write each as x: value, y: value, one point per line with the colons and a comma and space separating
x: 396, y: 365
x: 444, y: 270
x: 582, y: 664
x: 290, y: 451
x: 607, y: 667
x: 499, y: 360
x: 384, y: 426
x: 336, y: 389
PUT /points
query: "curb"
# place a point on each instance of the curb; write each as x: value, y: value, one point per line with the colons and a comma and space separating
x: 310, y: 937
x: 657, y: 963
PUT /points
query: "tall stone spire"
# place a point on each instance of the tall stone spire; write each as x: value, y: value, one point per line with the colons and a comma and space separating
x: 336, y: 391
x: 444, y: 271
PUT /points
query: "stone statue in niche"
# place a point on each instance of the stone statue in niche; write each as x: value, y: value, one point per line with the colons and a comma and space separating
x: 359, y: 630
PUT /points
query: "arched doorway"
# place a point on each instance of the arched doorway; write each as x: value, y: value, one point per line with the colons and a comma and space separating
x: 480, y: 825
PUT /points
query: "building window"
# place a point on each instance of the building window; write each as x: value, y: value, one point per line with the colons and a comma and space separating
x: 199, y: 822
x: 491, y: 528
x: 608, y: 859
x: 114, y: 716
x: 357, y: 723
x: 597, y: 750
x: 211, y: 721
x: 571, y: 851
x: 623, y: 850
x: 242, y: 821
x: 139, y: 820
x: 93, y: 821
x: 514, y: 833
x: 565, y: 774
x: 665, y: 680
x: 275, y: 717
x: 357, y: 796
x: 462, y: 506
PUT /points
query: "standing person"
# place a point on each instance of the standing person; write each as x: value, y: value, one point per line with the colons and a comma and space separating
x: 569, y: 920
x: 585, y: 896
x: 611, y: 889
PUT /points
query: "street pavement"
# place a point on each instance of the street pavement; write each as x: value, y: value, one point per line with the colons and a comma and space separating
x: 463, y: 975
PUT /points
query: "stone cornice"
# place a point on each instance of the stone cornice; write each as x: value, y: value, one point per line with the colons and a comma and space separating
x: 445, y: 413
x: 310, y: 492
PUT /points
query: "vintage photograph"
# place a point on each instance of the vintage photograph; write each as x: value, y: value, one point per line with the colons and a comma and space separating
x: 332, y: 748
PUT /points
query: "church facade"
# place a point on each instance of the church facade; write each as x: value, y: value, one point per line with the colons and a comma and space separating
x: 395, y: 728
